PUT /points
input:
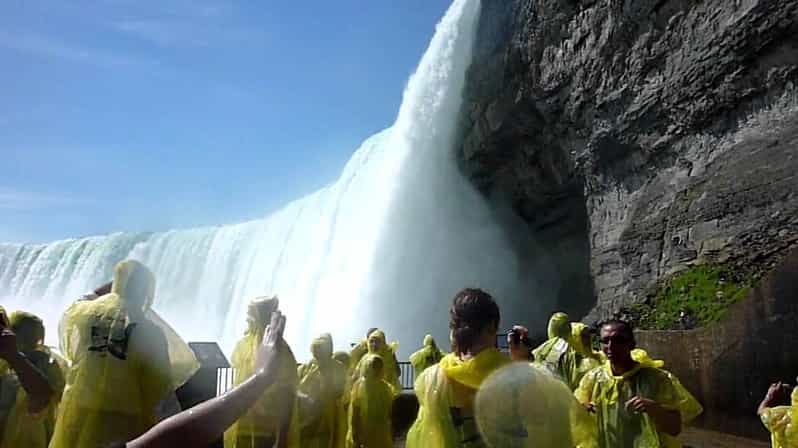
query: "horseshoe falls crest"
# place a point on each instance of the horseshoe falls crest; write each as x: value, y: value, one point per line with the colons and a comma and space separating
x: 388, y: 244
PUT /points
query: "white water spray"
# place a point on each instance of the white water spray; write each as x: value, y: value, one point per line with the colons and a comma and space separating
x: 387, y: 244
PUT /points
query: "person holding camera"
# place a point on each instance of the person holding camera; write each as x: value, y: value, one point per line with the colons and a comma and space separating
x: 18, y: 369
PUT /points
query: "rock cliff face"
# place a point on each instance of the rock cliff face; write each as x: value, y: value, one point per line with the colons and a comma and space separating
x: 636, y: 138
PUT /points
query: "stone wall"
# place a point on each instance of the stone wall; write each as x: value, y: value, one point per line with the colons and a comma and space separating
x: 635, y: 138
x: 729, y: 365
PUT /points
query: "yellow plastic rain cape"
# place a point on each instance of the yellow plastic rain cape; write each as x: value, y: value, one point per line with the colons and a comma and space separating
x: 343, y: 377
x: 586, y: 358
x: 357, y: 353
x: 263, y: 420
x: 618, y: 427
x: 779, y: 421
x: 523, y: 406
x: 689, y: 407
x: 556, y: 354
x: 370, y: 412
x: 320, y: 381
x: 24, y: 429
x: 121, y: 354
x: 388, y: 354
x: 428, y: 356
x: 452, y: 383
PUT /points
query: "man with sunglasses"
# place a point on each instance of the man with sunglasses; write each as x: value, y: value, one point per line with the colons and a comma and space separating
x: 635, y: 405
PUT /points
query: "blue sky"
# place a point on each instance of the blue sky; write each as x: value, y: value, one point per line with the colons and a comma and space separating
x: 152, y: 114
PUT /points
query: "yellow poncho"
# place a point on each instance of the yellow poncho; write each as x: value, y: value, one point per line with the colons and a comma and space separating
x: 370, y: 412
x: 452, y: 383
x: 428, y: 356
x: 586, y: 359
x: 125, y: 360
x: 343, y: 377
x: 388, y: 354
x: 264, y: 419
x: 320, y: 381
x: 24, y: 429
x: 523, y: 406
x: 778, y: 420
x: 618, y: 427
x: 556, y: 354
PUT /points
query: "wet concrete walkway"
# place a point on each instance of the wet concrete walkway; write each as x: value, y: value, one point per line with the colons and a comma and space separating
x: 699, y: 438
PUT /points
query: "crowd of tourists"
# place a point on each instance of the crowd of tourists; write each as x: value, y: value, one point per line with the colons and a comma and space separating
x: 113, y: 382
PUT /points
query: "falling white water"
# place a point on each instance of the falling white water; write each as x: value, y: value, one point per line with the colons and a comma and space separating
x: 388, y: 243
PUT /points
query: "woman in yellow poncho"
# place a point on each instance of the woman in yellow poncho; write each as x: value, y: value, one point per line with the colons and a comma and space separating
x: 779, y: 419
x: 370, y: 411
x: 321, y: 386
x: 272, y: 420
x: 125, y: 361
x: 428, y: 356
x: 447, y: 390
x: 23, y: 428
x: 377, y: 345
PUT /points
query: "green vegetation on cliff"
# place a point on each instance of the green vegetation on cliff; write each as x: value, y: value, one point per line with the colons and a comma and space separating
x: 693, y: 298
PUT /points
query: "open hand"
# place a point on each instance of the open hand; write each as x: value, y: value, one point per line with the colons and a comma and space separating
x: 266, y: 359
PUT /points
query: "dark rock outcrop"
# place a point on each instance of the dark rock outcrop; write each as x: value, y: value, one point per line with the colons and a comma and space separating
x: 638, y: 137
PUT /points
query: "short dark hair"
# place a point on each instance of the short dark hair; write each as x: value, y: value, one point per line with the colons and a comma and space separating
x: 623, y: 326
x: 371, y: 330
x: 471, y: 312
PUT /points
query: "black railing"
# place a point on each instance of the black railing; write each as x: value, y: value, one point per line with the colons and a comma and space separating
x: 406, y: 375
x: 224, y: 376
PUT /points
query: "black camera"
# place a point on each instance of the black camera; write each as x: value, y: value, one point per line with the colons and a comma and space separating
x: 516, y: 337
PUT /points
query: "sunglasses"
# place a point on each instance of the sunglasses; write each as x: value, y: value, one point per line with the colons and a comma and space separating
x: 615, y: 340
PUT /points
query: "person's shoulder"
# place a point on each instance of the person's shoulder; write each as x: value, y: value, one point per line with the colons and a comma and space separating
x: 39, y: 358
x: 654, y: 374
x: 776, y: 418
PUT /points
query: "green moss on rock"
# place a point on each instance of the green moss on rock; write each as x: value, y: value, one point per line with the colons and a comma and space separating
x: 693, y: 298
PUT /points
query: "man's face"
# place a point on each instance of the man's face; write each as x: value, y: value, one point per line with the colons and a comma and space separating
x: 616, y: 343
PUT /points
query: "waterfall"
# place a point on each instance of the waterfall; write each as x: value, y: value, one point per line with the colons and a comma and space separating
x: 388, y: 244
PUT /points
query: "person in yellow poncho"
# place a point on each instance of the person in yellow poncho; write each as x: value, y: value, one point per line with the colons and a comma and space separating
x: 377, y: 345
x: 125, y: 361
x: 371, y: 405
x: 586, y: 359
x: 446, y: 391
x: 342, y: 413
x: 360, y: 349
x: 557, y: 354
x: 779, y: 419
x: 271, y: 422
x: 634, y: 405
x: 18, y: 373
x: 321, y: 385
x: 428, y: 356
x: 24, y: 428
